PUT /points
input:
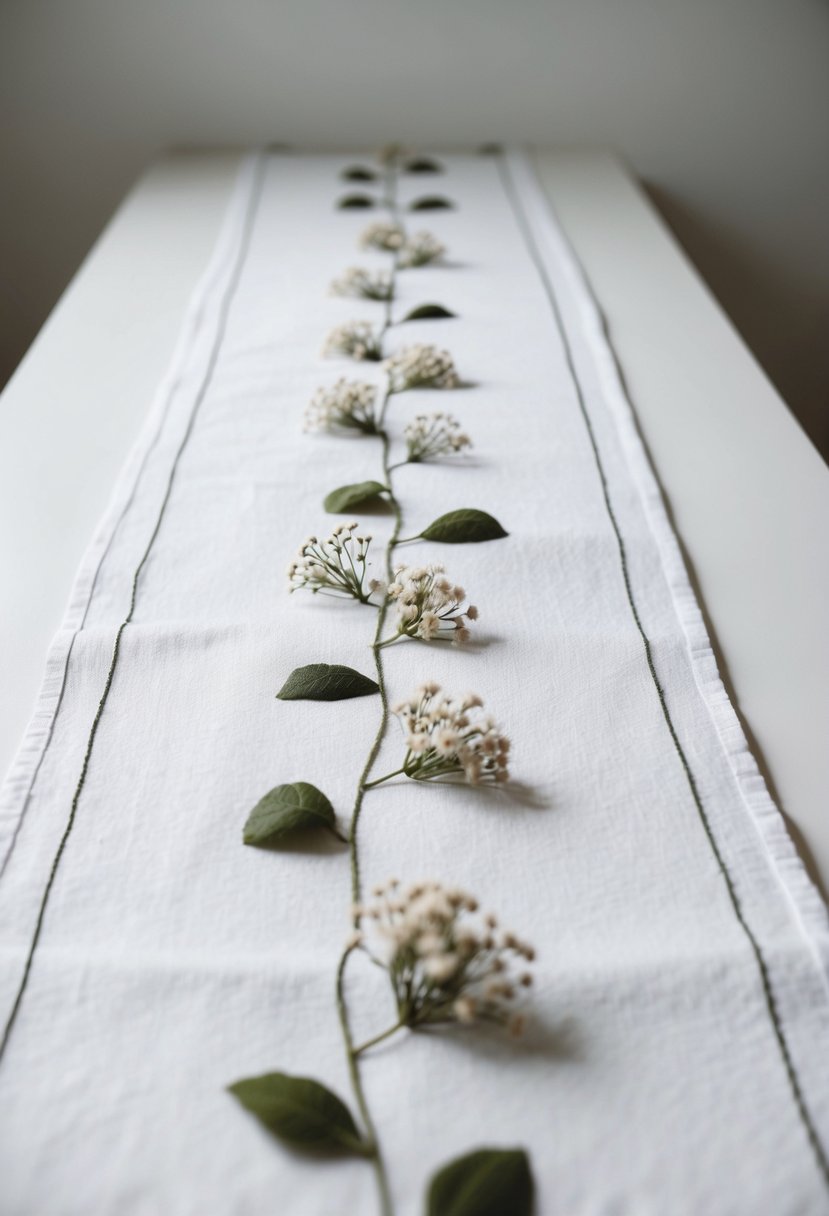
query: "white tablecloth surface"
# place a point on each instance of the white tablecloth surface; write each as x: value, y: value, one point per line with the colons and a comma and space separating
x: 676, y: 1061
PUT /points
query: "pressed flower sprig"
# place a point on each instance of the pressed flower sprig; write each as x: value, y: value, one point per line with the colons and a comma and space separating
x: 430, y: 436
x: 336, y: 566
x: 364, y: 284
x: 356, y: 340
x: 420, y: 366
x: 442, y: 966
x: 347, y: 406
x: 416, y: 250
x: 388, y: 238
x: 429, y: 606
x: 446, y: 737
x: 446, y: 963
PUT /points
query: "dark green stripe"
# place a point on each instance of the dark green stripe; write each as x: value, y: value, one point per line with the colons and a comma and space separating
x: 221, y: 329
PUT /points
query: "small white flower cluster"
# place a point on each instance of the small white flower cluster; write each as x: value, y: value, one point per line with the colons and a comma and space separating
x: 421, y: 366
x: 420, y: 249
x: 445, y: 737
x: 356, y: 339
x: 433, y: 435
x: 446, y: 964
x: 429, y: 605
x: 388, y: 237
x: 336, y: 566
x: 367, y: 284
x: 348, y: 405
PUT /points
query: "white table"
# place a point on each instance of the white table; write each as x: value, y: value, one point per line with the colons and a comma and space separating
x: 748, y: 493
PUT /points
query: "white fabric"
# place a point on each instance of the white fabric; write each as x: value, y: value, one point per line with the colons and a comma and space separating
x: 173, y: 960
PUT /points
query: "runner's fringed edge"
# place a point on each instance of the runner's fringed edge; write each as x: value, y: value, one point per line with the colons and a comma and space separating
x: 254, y: 177
x: 806, y: 902
x: 17, y: 788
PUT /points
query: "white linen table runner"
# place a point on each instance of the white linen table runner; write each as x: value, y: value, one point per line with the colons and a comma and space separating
x: 677, y: 1058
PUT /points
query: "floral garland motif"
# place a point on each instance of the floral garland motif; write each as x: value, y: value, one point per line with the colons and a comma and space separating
x: 446, y: 964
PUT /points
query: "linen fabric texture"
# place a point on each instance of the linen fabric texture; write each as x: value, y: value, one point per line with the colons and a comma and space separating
x: 676, y: 1056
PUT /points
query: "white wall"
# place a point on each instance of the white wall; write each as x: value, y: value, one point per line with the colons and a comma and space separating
x: 722, y: 106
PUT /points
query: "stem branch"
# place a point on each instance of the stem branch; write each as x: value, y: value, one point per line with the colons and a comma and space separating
x: 363, y: 784
x: 369, y: 785
x: 378, y: 1038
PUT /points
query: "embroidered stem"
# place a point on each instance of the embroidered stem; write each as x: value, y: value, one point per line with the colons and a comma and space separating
x: 376, y: 1157
x: 378, y: 1038
x: 363, y: 783
x: 390, y: 641
x: 376, y: 646
x: 369, y: 785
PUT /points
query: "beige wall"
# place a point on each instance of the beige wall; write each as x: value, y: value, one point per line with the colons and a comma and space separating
x: 721, y: 106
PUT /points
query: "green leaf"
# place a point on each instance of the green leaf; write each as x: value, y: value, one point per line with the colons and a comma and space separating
x: 356, y: 201
x: 289, y: 808
x: 358, y: 173
x: 423, y: 164
x: 326, y: 682
x: 346, y: 497
x: 431, y: 202
x: 488, y: 1182
x: 301, y: 1112
x: 428, y: 312
x: 463, y: 527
